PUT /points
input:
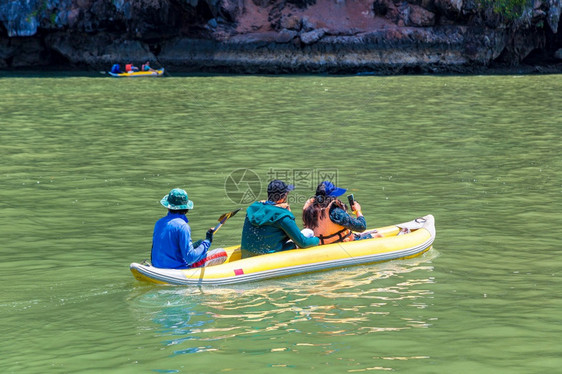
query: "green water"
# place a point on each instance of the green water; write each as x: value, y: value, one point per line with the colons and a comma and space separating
x: 84, y: 162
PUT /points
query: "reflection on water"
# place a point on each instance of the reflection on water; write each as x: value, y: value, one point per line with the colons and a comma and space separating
x: 320, y: 308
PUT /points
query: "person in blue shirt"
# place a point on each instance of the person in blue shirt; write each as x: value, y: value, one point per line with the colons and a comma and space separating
x: 270, y: 225
x: 172, y: 247
x: 116, y: 69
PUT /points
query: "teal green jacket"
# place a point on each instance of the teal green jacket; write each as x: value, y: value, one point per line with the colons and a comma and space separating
x: 268, y: 228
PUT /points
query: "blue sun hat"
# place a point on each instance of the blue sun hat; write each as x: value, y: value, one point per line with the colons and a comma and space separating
x: 177, y: 200
x: 330, y: 189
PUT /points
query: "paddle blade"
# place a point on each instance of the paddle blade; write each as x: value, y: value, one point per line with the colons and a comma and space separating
x: 226, y: 216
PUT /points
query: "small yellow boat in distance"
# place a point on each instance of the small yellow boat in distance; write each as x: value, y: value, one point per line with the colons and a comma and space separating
x: 138, y: 74
x: 399, y: 241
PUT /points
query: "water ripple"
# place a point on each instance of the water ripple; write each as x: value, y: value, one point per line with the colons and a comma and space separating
x: 357, y: 301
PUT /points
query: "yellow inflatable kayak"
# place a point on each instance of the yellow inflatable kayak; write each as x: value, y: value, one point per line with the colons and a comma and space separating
x: 137, y: 74
x: 399, y: 241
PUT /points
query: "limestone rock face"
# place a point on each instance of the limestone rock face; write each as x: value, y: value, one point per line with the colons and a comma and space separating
x: 312, y: 36
x: 272, y: 36
x: 452, y: 8
x: 553, y: 15
x: 421, y: 17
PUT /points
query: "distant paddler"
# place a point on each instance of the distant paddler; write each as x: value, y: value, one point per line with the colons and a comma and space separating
x: 146, y: 67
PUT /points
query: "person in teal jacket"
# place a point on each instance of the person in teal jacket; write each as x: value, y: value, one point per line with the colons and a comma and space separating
x: 270, y: 225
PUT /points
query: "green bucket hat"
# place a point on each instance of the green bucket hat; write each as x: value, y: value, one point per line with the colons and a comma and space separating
x: 177, y: 200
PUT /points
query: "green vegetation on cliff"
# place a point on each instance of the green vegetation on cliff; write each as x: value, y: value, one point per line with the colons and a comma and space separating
x: 510, y: 9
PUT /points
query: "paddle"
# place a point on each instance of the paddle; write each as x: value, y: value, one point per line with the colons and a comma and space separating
x: 222, y: 219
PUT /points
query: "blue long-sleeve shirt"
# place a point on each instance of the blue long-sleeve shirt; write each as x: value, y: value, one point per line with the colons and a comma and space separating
x: 172, y: 247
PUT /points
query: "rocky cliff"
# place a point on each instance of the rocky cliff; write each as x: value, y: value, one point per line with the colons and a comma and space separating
x: 278, y: 36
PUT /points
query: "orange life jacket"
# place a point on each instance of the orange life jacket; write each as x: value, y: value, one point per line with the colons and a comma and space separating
x: 128, y: 67
x: 326, y: 230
